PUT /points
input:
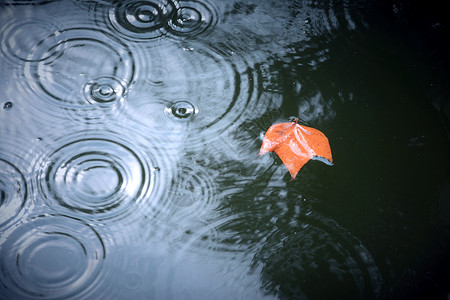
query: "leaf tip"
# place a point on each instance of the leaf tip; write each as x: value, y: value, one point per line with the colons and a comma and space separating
x: 293, y: 175
x: 262, y: 151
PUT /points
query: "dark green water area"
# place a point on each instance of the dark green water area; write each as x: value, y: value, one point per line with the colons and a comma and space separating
x: 129, y: 134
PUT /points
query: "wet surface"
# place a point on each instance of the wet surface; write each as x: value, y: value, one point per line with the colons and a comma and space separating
x: 129, y: 133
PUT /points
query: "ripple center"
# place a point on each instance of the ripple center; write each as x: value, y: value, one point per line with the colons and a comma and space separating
x: 181, y: 111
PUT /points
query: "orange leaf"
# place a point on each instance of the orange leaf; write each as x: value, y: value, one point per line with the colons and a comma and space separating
x: 295, y: 145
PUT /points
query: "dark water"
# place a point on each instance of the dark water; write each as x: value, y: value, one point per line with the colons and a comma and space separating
x: 129, y: 132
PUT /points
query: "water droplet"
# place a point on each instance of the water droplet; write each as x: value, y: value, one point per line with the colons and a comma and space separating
x: 308, y: 21
x: 104, y: 90
x: 193, y: 18
x: 147, y: 15
x: 181, y: 110
x: 141, y: 20
x: 7, y: 105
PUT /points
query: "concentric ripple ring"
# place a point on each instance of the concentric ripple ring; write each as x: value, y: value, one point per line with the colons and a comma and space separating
x: 65, y: 75
x: 50, y: 257
x: 13, y: 192
x: 102, y: 178
x: 192, y: 18
x: 141, y: 20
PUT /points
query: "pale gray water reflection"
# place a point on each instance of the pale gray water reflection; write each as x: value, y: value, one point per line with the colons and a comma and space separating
x: 50, y: 256
x: 128, y: 140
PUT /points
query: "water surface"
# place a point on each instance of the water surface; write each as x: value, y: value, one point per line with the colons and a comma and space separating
x: 129, y: 132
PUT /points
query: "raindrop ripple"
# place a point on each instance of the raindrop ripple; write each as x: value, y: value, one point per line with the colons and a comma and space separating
x: 104, y: 90
x: 318, y: 248
x: 19, y: 38
x: 50, y: 257
x: 13, y: 192
x: 194, y: 187
x: 208, y: 92
x: 101, y: 176
x: 88, y: 68
x: 141, y: 20
x: 181, y: 111
x: 192, y: 18
x: 151, y: 19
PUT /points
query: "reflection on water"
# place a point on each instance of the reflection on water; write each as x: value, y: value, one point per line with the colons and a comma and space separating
x: 146, y: 20
x: 129, y: 132
x: 50, y: 256
x: 14, y: 192
x: 298, y: 256
x: 62, y: 67
x: 101, y: 177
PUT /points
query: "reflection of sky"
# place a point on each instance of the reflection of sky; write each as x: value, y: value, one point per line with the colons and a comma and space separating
x: 315, y: 108
x: 247, y: 66
x: 189, y: 275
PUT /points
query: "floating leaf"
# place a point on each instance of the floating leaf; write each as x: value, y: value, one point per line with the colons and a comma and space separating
x: 296, y: 145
